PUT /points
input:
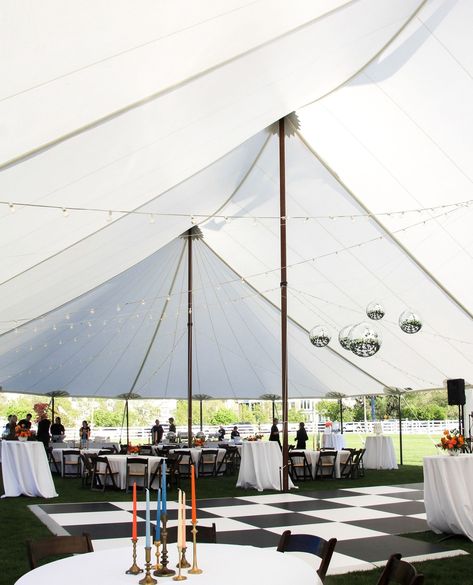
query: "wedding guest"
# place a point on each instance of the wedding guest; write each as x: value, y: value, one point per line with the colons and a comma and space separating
x: 234, y: 433
x: 172, y: 426
x: 43, y: 430
x: 26, y: 422
x: 9, y: 434
x: 157, y: 432
x: 221, y: 433
x: 57, y: 430
x: 274, y: 434
x: 301, y: 437
x: 84, y: 435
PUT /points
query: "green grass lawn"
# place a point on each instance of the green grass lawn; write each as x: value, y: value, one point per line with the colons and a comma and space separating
x: 18, y: 523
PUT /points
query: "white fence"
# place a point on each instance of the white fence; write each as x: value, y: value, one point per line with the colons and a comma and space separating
x: 143, y: 434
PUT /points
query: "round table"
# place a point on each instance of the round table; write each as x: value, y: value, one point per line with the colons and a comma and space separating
x: 25, y: 470
x: 260, y: 466
x: 334, y: 441
x: 380, y: 453
x: 221, y: 563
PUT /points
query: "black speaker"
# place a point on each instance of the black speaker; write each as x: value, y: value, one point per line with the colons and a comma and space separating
x: 456, y: 391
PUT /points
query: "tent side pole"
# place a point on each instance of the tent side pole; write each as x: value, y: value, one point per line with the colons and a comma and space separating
x: 189, y: 337
x: 284, y: 376
x: 400, y: 428
x: 127, y: 423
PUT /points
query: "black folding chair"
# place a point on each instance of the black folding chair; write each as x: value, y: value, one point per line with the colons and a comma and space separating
x: 299, y: 468
x: 136, y: 468
x: 310, y: 544
x: 326, y: 464
x: 208, y: 463
x: 54, y: 546
x: 71, y: 463
x: 207, y: 534
x: 400, y: 573
x: 102, y: 473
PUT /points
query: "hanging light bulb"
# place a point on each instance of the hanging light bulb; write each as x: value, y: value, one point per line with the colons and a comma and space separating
x: 344, y: 337
x: 319, y: 335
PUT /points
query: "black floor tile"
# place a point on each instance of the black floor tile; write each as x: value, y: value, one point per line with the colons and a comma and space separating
x: 402, y: 508
x: 221, y: 502
x: 256, y: 537
x: 73, y: 508
x: 101, y: 531
x: 379, y: 548
x: 309, y: 506
x: 414, y: 495
x: 272, y: 520
x: 394, y: 525
x: 329, y: 493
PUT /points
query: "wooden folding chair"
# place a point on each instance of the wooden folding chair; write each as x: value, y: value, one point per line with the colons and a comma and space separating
x: 208, y: 463
x: 71, y: 463
x: 207, y: 534
x: 326, y: 464
x: 310, y: 544
x: 54, y: 546
x: 53, y: 464
x: 400, y: 573
x: 101, y: 473
x: 299, y: 468
x: 183, y: 464
x: 136, y: 468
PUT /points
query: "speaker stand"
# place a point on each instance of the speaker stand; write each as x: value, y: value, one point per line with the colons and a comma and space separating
x: 461, y: 427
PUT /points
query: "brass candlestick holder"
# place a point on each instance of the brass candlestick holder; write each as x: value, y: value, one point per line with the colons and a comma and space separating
x: 147, y: 579
x: 157, y: 566
x: 184, y: 562
x: 163, y: 571
x: 195, y: 569
x: 179, y: 577
x: 134, y: 569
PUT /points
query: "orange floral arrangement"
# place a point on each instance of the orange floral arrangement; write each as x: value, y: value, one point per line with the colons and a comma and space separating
x: 198, y: 442
x: 254, y: 438
x: 133, y: 449
x: 451, y: 441
x: 21, y: 431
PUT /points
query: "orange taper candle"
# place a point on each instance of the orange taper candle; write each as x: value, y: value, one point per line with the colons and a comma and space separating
x: 134, y: 532
x: 194, y: 510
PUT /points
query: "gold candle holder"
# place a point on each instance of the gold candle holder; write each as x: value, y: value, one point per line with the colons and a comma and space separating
x: 195, y: 569
x: 147, y: 579
x: 184, y: 562
x: 157, y: 566
x: 179, y: 577
x: 164, y: 571
x: 134, y: 569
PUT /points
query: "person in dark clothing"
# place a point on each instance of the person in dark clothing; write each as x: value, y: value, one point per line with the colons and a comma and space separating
x: 301, y: 437
x: 43, y: 430
x: 172, y: 426
x: 274, y: 434
x: 221, y: 433
x: 57, y: 430
x: 234, y: 433
x: 26, y: 422
x: 157, y: 432
x: 9, y: 434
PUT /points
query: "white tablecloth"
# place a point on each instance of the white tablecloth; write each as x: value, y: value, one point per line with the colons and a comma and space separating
x: 333, y: 441
x: 448, y: 494
x: 57, y: 454
x: 261, y: 462
x: 25, y: 470
x: 118, y: 463
x: 380, y: 453
x: 313, y: 456
x: 221, y: 564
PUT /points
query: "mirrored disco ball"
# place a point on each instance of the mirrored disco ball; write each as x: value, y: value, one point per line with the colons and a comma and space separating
x: 410, y: 322
x: 365, y: 341
x: 319, y: 336
x: 344, y: 337
x: 375, y: 311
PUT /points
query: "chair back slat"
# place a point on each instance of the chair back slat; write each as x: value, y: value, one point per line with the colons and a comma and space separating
x: 207, y: 534
x: 311, y: 544
x: 53, y: 546
x: 397, y: 572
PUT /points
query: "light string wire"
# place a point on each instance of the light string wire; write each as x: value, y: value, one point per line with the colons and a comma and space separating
x: 19, y: 321
x: 198, y: 217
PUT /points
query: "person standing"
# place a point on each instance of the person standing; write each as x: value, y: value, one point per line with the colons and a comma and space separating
x: 274, y: 434
x: 234, y: 433
x: 301, y: 437
x: 57, y: 430
x: 172, y: 426
x: 157, y: 432
x: 9, y: 434
x: 26, y: 422
x: 221, y: 433
x: 84, y: 435
x: 43, y: 430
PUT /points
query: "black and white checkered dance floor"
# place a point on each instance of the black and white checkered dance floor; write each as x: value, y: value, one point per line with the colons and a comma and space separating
x: 366, y: 521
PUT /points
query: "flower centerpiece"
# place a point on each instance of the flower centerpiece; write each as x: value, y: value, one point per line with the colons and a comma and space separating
x: 199, y: 441
x: 22, y: 433
x: 133, y: 449
x: 452, y: 442
x: 254, y: 438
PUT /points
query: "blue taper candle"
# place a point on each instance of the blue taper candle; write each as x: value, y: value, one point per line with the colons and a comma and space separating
x: 163, y: 490
x: 158, y: 516
x: 148, y: 520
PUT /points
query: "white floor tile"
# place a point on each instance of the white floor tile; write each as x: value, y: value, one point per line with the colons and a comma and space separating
x: 329, y: 530
x: 378, y: 490
x: 249, y: 510
x: 275, y: 498
x: 368, y: 500
x: 350, y: 514
x: 82, y: 518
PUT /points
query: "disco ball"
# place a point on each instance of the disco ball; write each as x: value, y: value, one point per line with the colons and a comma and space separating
x: 344, y: 337
x: 365, y: 341
x: 410, y: 322
x: 319, y: 336
x: 375, y: 311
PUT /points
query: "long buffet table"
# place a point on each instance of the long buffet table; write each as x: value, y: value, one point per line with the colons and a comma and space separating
x: 25, y: 470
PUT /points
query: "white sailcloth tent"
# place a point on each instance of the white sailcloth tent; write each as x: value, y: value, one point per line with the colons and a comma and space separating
x: 117, y: 141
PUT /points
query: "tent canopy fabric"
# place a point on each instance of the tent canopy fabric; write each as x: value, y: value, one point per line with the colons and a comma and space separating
x: 165, y: 119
